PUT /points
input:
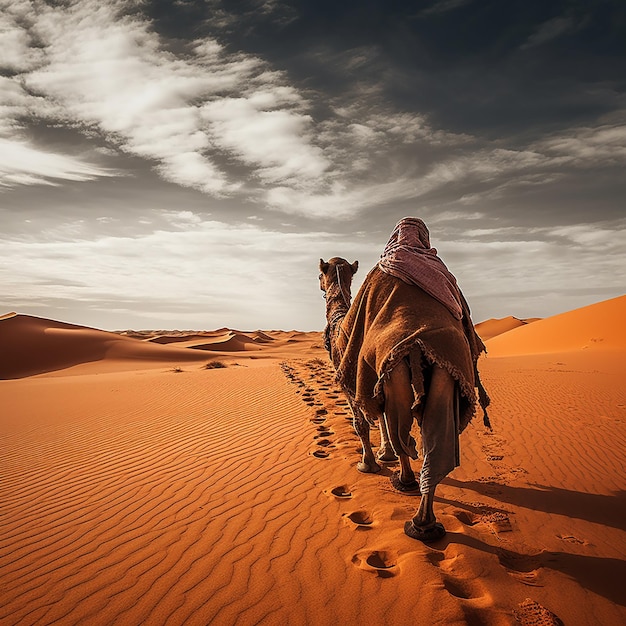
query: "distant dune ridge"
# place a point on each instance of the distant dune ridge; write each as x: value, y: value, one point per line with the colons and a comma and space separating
x: 196, y: 477
x: 598, y: 326
x: 493, y: 327
x: 33, y: 345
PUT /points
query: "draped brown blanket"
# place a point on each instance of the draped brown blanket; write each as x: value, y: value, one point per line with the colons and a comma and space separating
x: 390, y: 320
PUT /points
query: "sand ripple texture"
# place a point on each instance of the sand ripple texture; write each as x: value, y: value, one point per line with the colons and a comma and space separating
x: 158, y: 498
x: 230, y: 496
x: 195, y: 497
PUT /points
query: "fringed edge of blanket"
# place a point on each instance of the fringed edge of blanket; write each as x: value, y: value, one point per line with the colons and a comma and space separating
x: 354, y: 405
x: 405, y: 347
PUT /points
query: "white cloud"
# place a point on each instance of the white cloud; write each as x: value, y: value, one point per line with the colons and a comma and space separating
x: 278, y: 141
x: 228, y: 125
x: 23, y: 164
x: 100, y: 68
x: 530, y: 272
x: 600, y: 146
x: 342, y: 200
x: 211, y: 262
x: 208, y: 274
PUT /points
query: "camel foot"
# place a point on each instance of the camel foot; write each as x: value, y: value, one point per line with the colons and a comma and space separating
x: 431, y: 533
x: 366, y: 468
x: 386, y: 456
x: 413, y: 486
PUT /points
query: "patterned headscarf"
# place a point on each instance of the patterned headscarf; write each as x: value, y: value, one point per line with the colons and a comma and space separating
x: 408, y: 256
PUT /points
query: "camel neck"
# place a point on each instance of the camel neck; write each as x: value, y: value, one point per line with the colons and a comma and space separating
x: 337, y: 305
x: 336, y: 309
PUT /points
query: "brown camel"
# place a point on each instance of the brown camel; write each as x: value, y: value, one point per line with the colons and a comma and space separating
x: 401, y: 354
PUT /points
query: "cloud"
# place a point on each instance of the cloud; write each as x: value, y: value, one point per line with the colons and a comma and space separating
x: 100, y: 68
x: 229, y: 125
x: 443, y: 6
x: 207, y: 274
x: 525, y: 272
x: 218, y: 270
x: 592, y: 147
x: 22, y: 164
x: 549, y: 30
x: 278, y: 141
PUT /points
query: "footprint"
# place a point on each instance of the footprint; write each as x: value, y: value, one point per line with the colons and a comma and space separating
x: 324, y: 432
x: 324, y: 442
x: 342, y: 491
x: 499, y: 522
x: 467, y: 518
x: 467, y: 586
x: 379, y: 562
x: 318, y: 420
x: 435, y: 557
x: 361, y: 519
x: 531, y: 613
x: 321, y: 454
x: 457, y: 588
x: 523, y: 567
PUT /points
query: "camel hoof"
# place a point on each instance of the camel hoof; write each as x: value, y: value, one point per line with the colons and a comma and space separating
x: 364, y: 468
x: 412, y: 487
x: 432, y: 533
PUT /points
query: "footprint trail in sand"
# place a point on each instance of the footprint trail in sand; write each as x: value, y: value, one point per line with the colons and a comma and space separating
x: 481, y: 536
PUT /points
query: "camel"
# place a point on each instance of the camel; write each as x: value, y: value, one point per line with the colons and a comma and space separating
x: 427, y: 377
x: 338, y: 296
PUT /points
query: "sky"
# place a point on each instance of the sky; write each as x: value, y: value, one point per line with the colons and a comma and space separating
x: 186, y: 164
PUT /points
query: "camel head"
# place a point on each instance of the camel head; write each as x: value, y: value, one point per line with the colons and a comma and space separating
x: 337, y: 273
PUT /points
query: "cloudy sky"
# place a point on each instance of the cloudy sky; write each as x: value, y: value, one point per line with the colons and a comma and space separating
x: 185, y: 164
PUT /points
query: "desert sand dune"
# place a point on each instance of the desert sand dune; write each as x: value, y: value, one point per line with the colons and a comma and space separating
x: 180, y: 338
x: 33, y: 345
x: 232, y: 342
x: 230, y: 495
x: 261, y: 337
x: 598, y: 326
x: 493, y: 327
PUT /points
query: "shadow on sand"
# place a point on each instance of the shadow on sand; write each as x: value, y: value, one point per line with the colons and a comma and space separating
x: 603, y: 576
x: 600, y: 509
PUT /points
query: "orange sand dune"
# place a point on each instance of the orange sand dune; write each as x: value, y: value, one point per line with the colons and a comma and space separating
x: 164, y: 339
x: 33, y: 345
x: 598, y: 326
x: 493, y: 327
x: 230, y: 496
x: 234, y: 342
x: 261, y: 337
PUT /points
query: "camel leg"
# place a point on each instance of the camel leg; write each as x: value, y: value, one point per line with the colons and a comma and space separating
x: 439, y: 440
x: 368, y: 463
x: 385, y: 452
x: 399, y: 418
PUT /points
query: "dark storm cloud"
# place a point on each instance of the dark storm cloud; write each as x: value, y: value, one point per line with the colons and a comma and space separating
x: 487, y: 67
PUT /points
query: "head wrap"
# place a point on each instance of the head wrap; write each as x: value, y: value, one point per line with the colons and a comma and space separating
x: 408, y: 256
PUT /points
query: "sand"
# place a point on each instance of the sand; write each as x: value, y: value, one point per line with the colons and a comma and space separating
x: 140, y: 486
